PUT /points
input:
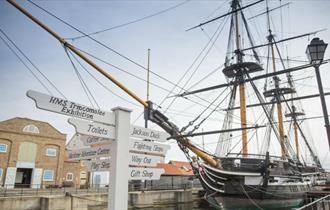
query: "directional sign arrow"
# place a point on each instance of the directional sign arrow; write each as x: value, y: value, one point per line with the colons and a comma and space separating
x: 144, y: 173
x: 98, y: 165
x: 90, y: 140
x: 93, y: 128
x: 148, y: 147
x: 89, y: 153
x: 63, y: 106
x: 143, y: 160
x: 145, y: 133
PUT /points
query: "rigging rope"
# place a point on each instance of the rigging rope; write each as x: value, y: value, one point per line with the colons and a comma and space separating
x: 130, y: 22
x: 193, y: 121
x: 103, y: 85
x: 219, y: 30
x: 27, y: 67
x: 202, y: 121
x: 32, y: 63
x: 82, y: 82
x: 122, y: 70
x: 102, y: 44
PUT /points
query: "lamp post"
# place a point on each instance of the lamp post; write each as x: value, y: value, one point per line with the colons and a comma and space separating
x: 315, y: 53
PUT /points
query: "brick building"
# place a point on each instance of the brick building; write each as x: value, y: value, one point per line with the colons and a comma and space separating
x: 32, y: 154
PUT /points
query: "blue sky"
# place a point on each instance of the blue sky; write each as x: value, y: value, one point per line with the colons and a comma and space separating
x: 172, y: 52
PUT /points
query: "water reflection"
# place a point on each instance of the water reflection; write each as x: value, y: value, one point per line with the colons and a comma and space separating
x: 196, y: 205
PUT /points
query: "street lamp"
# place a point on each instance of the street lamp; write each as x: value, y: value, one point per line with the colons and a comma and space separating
x: 315, y: 53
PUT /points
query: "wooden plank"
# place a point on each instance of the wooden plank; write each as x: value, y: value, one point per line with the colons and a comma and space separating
x: 143, y: 160
x: 145, y: 133
x: 148, y: 147
x: 73, y: 109
x: 89, y: 153
x: 93, y: 128
x: 145, y: 173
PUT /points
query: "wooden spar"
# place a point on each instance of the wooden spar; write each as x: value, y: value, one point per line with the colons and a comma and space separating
x: 206, y: 157
x: 269, y: 10
x: 271, y: 74
x: 283, y: 40
x: 241, y: 84
x: 222, y: 131
x: 243, y: 119
x: 279, y: 108
x: 229, y: 13
x: 295, y: 129
x: 281, y: 100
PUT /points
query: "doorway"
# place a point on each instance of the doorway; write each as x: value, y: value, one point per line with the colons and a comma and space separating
x: 23, y: 177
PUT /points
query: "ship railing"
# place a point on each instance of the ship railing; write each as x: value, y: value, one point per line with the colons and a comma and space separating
x: 256, y: 156
x: 319, y: 204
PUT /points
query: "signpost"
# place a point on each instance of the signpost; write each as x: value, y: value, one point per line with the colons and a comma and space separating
x: 73, y: 109
x: 148, y: 147
x: 145, y: 133
x: 98, y: 165
x: 101, y: 128
x: 143, y: 160
x: 89, y: 153
x: 118, y: 186
x: 93, y: 128
x: 90, y: 140
x: 145, y: 173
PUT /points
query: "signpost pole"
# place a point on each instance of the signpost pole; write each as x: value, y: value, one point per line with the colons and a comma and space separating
x: 118, y: 188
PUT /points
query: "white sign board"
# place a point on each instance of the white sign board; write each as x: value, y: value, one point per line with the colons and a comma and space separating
x: 89, y: 153
x: 63, y: 106
x: 145, y: 173
x: 93, y: 128
x: 143, y: 160
x: 10, y: 177
x: 90, y: 140
x: 36, y: 178
x: 145, y: 133
x: 148, y: 147
x: 98, y: 165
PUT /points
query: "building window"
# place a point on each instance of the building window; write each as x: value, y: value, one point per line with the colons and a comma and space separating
x: 48, y: 175
x: 3, y: 147
x: 69, y: 176
x: 51, y: 152
x: 31, y: 129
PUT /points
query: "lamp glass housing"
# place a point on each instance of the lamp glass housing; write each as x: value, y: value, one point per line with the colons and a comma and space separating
x: 315, y: 51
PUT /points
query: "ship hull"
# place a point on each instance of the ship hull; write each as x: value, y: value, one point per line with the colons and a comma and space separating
x: 230, y: 189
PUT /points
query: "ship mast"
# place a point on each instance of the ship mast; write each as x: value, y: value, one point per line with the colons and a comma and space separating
x: 277, y: 91
x: 240, y: 69
x: 242, y: 100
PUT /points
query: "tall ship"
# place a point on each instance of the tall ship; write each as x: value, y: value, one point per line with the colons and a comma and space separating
x: 262, y: 165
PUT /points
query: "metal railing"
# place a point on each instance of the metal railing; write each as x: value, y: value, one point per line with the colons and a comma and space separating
x: 37, y: 190
x: 319, y: 204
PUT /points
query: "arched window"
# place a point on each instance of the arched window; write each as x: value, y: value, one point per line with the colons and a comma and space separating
x: 31, y: 129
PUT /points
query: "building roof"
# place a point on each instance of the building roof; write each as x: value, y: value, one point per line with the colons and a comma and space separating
x: 66, y: 158
x: 176, y: 168
x: 17, y: 125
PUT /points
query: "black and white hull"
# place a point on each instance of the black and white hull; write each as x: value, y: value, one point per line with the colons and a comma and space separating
x: 252, y: 189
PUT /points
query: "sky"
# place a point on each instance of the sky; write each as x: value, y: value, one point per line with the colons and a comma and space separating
x: 172, y: 51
